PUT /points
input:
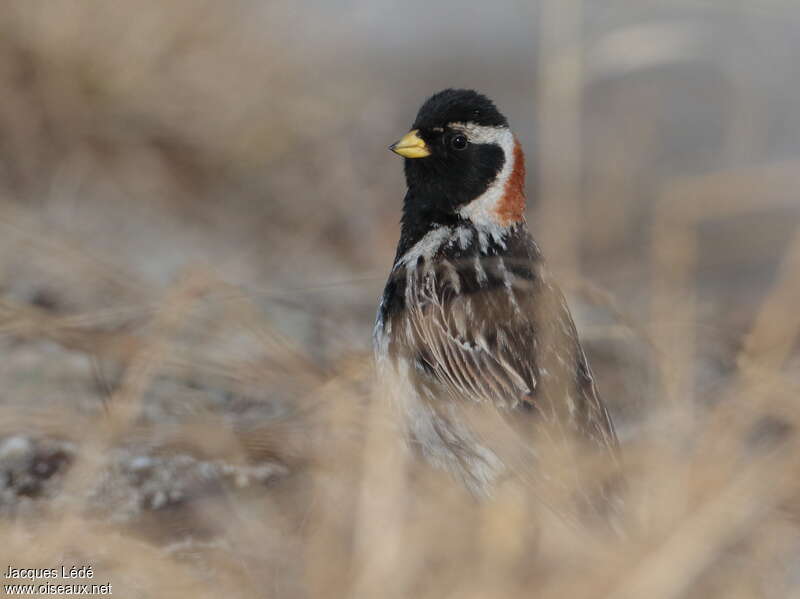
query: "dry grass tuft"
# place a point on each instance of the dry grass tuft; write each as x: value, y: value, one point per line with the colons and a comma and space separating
x: 195, y: 229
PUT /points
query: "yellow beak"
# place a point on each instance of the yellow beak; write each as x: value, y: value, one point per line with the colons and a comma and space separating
x: 411, y: 145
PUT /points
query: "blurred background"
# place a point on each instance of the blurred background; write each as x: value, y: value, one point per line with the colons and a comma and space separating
x: 198, y: 214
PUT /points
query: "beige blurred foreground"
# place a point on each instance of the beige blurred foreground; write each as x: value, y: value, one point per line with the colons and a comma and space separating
x: 197, y: 215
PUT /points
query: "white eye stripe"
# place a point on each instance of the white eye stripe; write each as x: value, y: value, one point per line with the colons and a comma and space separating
x: 481, y: 134
x: 482, y: 210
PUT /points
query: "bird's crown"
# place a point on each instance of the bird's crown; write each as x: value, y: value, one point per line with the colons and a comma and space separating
x: 458, y: 106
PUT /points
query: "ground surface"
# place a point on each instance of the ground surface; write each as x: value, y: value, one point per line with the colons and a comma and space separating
x: 197, y: 215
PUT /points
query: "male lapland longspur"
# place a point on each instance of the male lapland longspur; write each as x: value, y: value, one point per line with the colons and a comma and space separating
x: 470, y: 325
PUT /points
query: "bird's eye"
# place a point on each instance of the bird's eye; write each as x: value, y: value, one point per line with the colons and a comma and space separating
x: 459, y: 142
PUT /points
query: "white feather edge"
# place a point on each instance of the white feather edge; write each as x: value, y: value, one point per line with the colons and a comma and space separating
x: 482, y: 211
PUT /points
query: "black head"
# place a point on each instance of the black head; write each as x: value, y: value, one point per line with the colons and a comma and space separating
x: 456, y: 149
x: 458, y: 106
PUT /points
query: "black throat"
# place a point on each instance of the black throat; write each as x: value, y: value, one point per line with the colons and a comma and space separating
x: 420, y: 216
x: 440, y: 185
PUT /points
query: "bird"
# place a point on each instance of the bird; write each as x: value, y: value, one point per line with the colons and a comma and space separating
x: 471, y: 327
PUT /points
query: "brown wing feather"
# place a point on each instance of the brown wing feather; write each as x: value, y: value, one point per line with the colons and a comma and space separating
x: 513, y: 345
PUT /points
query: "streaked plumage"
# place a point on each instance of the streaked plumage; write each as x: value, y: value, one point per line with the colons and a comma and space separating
x: 469, y: 316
